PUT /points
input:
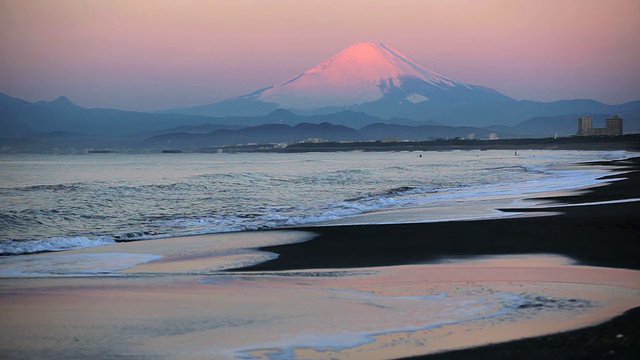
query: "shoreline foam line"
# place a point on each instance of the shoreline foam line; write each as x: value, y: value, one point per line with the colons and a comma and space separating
x: 579, y: 232
x: 593, y: 203
x: 189, y: 317
x: 574, y: 177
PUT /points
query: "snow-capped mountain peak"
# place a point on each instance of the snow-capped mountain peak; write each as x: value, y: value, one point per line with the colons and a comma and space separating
x: 361, y: 73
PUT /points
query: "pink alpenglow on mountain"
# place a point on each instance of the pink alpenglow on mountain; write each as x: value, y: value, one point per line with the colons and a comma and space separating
x: 376, y: 80
x: 362, y: 73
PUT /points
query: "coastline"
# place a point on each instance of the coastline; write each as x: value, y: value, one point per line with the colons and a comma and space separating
x: 627, y: 142
x: 375, y: 313
x: 578, y: 232
x: 174, y: 299
x: 617, y: 338
x: 589, y: 227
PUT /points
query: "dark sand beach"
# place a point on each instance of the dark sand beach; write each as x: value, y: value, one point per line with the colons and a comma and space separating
x: 618, y: 338
x: 597, y: 235
x: 174, y: 298
x: 606, y: 235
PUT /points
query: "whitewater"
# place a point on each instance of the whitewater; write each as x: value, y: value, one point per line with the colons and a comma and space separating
x: 58, y: 202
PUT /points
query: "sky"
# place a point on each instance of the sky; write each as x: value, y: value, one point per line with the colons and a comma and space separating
x: 156, y: 54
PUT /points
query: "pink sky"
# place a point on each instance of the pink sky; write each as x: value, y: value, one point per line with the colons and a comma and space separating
x: 155, y: 54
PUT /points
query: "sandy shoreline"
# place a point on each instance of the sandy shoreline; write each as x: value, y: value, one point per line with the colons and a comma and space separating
x: 377, y: 291
x: 600, y: 235
x: 407, y: 310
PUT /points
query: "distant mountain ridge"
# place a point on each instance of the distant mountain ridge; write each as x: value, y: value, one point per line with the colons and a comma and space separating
x: 364, y: 84
x: 380, y: 81
x: 361, y: 78
x: 263, y: 134
x: 19, y: 118
x: 363, y: 73
x: 61, y: 102
x: 370, y: 87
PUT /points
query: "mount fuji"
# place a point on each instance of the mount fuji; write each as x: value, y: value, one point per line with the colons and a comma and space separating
x: 379, y: 81
x: 364, y: 73
x: 365, y: 77
x: 367, y: 83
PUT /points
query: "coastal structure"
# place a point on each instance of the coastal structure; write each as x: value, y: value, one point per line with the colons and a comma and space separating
x: 585, y: 124
x: 613, y: 127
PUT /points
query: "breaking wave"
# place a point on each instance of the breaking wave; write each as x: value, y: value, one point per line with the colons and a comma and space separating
x: 12, y: 247
x: 252, y: 192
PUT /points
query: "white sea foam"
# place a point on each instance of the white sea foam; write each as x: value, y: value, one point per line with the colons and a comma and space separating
x: 400, y: 199
x: 207, y: 194
x: 383, y: 315
x: 70, y: 264
x: 12, y: 247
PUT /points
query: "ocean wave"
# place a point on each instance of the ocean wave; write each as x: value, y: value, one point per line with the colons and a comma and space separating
x: 258, y: 217
x: 10, y: 220
x: 232, y: 196
x: 535, y: 169
x: 54, y: 187
x: 283, y: 217
x: 133, y: 235
x: 13, y: 247
x: 394, y: 192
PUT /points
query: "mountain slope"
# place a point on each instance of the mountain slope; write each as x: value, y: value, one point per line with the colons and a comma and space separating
x: 22, y: 118
x: 19, y: 118
x: 362, y: 73
x: 380, y: 81
x: 363, y: 77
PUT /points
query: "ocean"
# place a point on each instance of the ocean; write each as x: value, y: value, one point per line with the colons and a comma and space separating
x: 58, y: 202
x: 160, y: 294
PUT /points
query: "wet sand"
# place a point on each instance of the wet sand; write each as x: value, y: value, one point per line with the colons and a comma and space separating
x: 606, y: 234
x: 361, y: 292
x: 374, y: 313
x: 615, y: 339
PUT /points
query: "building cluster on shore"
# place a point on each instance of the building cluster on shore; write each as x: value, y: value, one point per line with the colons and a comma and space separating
x: 613, y: 127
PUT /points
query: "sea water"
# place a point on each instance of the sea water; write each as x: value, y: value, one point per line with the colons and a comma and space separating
x: 56, y: 202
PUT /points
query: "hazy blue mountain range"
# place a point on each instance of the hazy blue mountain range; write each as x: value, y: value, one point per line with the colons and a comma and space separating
x: 282, y: 133
x: 365, y: 84
x: 189, y: 138
x: 60, y: 125
x: 263, y: 134
x: 20, y: 118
